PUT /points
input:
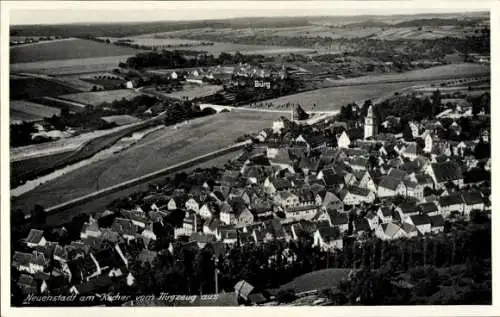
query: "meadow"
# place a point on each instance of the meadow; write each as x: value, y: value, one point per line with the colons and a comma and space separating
x: 195, y: 91
x: 331, y: 99
x: 62, y: 50
x: 22, y: 110
x: 71, y: 66
x: 462, y: 70
x: 30, y: 88
x: 98, y: 97
x: 156, y: 151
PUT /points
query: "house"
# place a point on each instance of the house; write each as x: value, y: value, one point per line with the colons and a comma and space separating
x: 343, y: 140
x: 328, y: 238
x: 306, y: 212
x: 354, y: 195
x: 327, y: 200
x: 414, y: 189
x: 29, y: 262
x: 281, y: 158
x: 244, y: 217
x: 191, y: 223
x: 286, y: 199
x: 358, y: 163
x: 202, y: 239
x: 193, y: 204
x: 428, y: 208
x: 389, y: 231
x: 148, y: 234
x: 125, y: 228
x: 445, y: 172
x: 422, y: 223
x: 176, y: 202
x: 452, y: 203
x: 60, y: 254
x: 437, y: 223
x: 35, y: 239
x: 335, y: 219
x: 409, y: 230
x: 278, y: 126
x: 391, y: 186
x: 385, y: 214
x: 472, y: 201
x: 226, y: 214
x: 361, y: 226
x: 406, y: 210
x: 373, y: 220
x: 366, y: 181
x: 206, y: 211
x: 229, y: 236
x: 410, y: 152
x: 212, y: 227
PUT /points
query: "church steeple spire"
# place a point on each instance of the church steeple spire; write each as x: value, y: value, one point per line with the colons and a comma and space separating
x: 370, y: 125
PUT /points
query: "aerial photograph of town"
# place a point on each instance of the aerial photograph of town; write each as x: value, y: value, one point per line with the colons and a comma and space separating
x: 252, y: 156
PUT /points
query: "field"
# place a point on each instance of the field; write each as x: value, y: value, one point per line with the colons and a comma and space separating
x: 68, y: 152
x: 21, y: 110
x: 71, y: 66
x: 121, y: 120
x: 432, y: 73
x: 62, y: 50
x: 154, y: 40
x: 99, y: 97
x: 317, y: 280
x: 216, y: 48
x: 29, y: 88
x: 158, y: 150
x: 195, y: 91
x: 340, y: 92
x: 331, y: 99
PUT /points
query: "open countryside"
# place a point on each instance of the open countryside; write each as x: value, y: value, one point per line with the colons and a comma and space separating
x: 259, y: 161
x: 64, y: 50
x: 158, y: 150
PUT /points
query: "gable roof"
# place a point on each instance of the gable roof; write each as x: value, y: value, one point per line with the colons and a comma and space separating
x: 386, y: 211
x: 358, y: 191
x: 362, y: 225
x: 419, y: 220
x: 447, y: 171
x: 329, y: 233
x: 34, y: 236
x: 472, y: 198
x: 338, y: 219
x: 427, y: 207
x: 452, y: 199
x: 389, y: 182
x: 390, y: 228
x: 437, y: 221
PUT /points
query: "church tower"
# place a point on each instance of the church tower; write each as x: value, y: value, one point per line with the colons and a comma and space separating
x: 370, y: 124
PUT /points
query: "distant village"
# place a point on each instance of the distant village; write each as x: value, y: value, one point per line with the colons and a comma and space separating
x: 293, y: 181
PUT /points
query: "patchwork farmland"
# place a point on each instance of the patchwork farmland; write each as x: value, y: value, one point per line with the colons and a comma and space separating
x: 99, y: 97
x: 71, y: 66
x: 63, y: 50
x: 22, y: 110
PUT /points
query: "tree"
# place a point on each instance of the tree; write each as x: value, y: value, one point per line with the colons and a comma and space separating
x: 38, y: 216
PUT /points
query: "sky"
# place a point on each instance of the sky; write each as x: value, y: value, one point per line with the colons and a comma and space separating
x: 58, y: 12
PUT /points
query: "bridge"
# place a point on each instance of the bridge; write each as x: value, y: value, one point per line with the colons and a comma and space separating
x: 220, y: 108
